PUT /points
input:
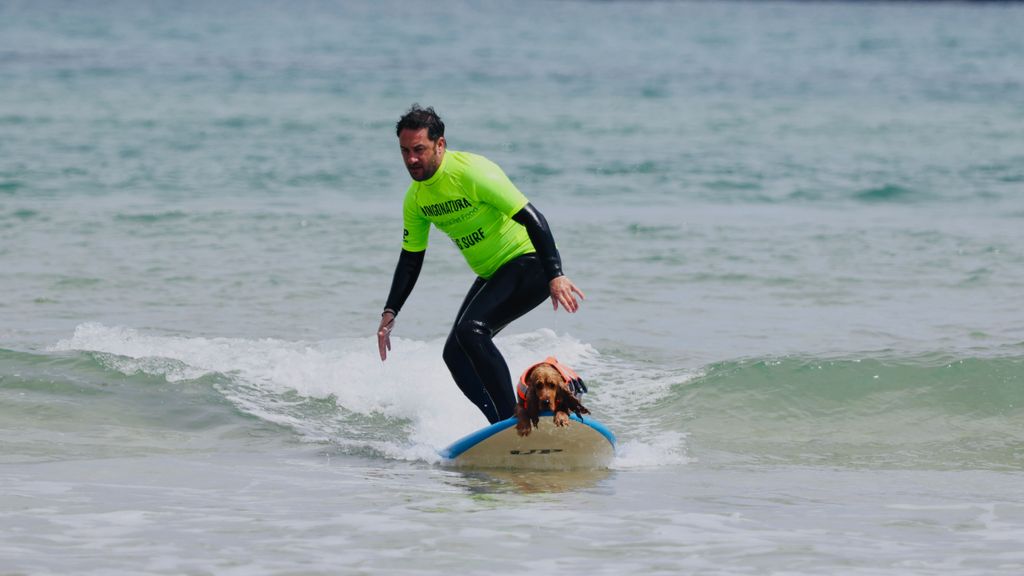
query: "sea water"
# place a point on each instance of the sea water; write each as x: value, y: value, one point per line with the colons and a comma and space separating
x: 799, y: 228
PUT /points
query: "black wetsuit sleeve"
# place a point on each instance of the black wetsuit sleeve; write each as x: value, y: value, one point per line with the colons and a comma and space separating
x: 406, y: 273
x: 542, y: 239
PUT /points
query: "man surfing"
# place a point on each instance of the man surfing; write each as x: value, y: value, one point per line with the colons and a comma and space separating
x: 505, y: 241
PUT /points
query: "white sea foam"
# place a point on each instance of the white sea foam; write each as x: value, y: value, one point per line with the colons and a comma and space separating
x: 412, y: 389
x: 659, y: 449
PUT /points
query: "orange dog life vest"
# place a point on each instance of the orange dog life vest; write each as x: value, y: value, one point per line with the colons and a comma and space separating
x: 572, y: 379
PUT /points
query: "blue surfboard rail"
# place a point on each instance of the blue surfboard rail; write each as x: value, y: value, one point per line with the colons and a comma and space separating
x: 467, y: 442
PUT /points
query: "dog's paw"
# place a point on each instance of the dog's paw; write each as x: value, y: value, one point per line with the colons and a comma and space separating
x: 523, y: 429
x: 561, y: 418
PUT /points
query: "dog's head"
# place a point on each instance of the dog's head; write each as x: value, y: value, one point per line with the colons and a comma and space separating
x: 547, y: 384
x: 546, y: 390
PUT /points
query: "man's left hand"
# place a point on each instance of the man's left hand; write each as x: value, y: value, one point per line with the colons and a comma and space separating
x: 564, y: 292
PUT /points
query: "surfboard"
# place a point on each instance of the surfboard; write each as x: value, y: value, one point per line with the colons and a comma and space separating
x: 584, y: 443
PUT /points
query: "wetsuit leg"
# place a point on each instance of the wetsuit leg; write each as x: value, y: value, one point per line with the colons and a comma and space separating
x: 474, y: 361
x: 461, y: 367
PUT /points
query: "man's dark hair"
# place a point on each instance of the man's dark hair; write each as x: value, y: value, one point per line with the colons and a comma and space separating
x: 418, y: 118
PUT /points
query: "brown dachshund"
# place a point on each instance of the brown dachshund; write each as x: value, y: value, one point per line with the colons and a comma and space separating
x: 547, y: 389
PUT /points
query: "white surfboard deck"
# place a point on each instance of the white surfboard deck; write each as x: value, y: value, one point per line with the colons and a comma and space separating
x: 584, y: 443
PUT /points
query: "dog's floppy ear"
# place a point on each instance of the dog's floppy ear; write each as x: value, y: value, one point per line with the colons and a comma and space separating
x: 532, y: 405
x: 571, y: 403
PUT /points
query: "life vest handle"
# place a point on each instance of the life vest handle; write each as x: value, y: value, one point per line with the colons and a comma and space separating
x: 578, y: 387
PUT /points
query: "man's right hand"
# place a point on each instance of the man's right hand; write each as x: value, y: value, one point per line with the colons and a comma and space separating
x: 387, y: 323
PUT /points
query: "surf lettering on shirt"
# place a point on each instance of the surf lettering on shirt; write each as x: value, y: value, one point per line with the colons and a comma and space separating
x: 445, y: 208
x: 469, y: 240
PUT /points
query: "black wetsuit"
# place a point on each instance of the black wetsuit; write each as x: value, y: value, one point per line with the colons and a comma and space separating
x: 517, y: 287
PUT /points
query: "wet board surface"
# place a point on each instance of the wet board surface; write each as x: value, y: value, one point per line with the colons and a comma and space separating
x: 584, y: 443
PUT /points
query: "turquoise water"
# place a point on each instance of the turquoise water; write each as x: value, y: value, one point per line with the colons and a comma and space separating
x: 798, y: 226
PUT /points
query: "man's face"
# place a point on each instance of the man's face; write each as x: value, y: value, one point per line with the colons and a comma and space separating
x: 421, y: 156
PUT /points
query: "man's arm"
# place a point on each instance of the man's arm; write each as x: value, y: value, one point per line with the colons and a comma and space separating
x: 406, y: 272
x: 562, y: 289
x: 542, y: 238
